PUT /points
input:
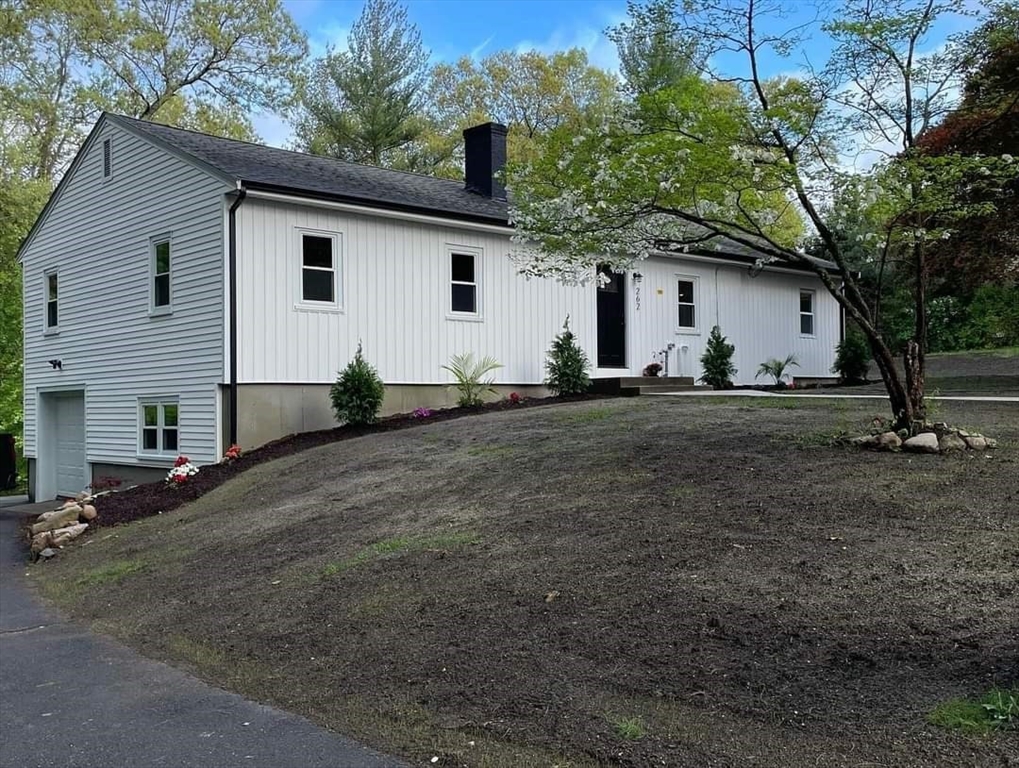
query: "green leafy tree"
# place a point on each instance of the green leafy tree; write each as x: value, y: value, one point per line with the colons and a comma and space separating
x: 358, y: 392
x: 567, y: 365
x: 364, y: 104
x: 717, y: 361
x: 654, y: 50
x: 533, y: 94
x: 742, y: 158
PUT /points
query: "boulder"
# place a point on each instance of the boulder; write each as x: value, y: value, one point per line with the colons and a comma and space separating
x: 888, y: 441
x: 88, y: 512
x: 925, y: 442
x: 47, y: 553
x: 991, y: 442
x: 951, y: 443
x: 974, y: 442
x: 864, y: 441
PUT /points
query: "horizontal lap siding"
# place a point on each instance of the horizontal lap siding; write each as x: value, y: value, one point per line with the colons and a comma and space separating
x: 98, y: 235
x: 759, y: 315
x: 395, y: 299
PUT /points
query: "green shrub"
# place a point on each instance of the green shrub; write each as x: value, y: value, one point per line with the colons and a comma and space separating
x: 852, y: 359
x: 717, y: 361
x: 567, y: 365
x: 777, y: 368
x: 357, y: 393
x: 469, y: 378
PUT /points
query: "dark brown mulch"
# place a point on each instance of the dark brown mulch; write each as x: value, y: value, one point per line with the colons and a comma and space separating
x: 155, y: 498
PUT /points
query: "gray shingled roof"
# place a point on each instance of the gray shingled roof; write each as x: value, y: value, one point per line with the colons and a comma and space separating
x: 264, y: 167
x: 279, y: 169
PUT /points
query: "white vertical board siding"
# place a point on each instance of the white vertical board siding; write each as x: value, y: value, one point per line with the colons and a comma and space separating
x: 395, y: 299
x: 98, y: 235
x: 759, y: 315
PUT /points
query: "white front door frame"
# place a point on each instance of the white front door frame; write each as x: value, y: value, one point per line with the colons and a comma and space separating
x: 46, y: 439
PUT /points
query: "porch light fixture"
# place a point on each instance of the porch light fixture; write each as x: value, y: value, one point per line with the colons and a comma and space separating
x: 58, y: 365
x: 637, y: 277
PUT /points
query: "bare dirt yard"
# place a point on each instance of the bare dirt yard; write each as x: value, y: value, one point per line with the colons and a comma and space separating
x: 683, y: 582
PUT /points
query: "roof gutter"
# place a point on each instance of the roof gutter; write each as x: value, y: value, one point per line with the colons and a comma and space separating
x: 238, y: 196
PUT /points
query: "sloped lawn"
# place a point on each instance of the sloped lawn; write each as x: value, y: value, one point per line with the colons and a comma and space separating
x: 636, y: 582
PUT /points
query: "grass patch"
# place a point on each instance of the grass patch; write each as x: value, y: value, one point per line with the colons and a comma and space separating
x: 193, y: 652
x: 781, y: 403
x: 998, y: 708
x: 999, y: 352
x: 490, y: 451
x: 629, y: 728
x: 400, y: 545
x: 586, y: 416
x: 110, y: 573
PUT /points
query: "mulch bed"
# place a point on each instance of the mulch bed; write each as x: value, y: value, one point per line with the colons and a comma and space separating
x: 156, y: 498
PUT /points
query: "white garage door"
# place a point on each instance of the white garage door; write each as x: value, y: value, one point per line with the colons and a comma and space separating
x: 70, y: 443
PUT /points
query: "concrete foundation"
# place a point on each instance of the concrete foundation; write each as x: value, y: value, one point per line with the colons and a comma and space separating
x: 270, y: 411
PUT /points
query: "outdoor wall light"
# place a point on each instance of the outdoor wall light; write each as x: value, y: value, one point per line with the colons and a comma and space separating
x: 58, y: 365
x: 637, y: 277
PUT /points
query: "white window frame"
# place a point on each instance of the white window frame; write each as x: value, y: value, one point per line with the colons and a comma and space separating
x: 301, y: 303
x: 154, y: 243
x: 463, y: 250
x: 50, y: 330
x: 106, y: 149
x: 812, y: 313
x: 695, y: 329
x: 160, y: 403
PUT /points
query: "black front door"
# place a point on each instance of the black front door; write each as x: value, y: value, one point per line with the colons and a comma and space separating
x: 612, y: 320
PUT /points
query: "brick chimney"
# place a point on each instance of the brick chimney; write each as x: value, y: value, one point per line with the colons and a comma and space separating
x: 485, y: 156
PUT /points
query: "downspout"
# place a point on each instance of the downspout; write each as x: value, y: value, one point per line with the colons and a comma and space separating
x: 239, y: 196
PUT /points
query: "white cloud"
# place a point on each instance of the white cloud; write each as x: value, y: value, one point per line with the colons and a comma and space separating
x: 601, y: 52
x: 477, y: 50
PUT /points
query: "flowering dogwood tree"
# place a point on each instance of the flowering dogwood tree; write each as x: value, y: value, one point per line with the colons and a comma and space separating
x: 729, y: 156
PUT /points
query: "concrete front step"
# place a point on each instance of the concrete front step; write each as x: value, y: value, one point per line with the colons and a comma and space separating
x: 632, y: 385
x: 634, y: 391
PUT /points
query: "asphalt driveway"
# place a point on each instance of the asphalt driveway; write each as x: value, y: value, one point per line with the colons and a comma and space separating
x: 72, y: 698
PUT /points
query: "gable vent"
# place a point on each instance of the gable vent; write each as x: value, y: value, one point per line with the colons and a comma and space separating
x: 107, y: 159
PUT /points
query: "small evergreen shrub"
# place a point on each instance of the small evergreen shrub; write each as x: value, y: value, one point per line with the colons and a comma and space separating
x: 567, y: 365
x: 852, y: 359
x: 357, y: 392
x: 469, y: 374
x: 717, y: 361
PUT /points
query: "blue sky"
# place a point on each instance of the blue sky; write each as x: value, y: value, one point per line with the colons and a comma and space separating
x: 454, y: 28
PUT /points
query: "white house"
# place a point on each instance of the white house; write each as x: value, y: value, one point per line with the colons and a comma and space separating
x: 183, y: 292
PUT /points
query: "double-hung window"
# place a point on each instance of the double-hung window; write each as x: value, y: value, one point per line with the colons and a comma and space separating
x: 161, y: 288
x: 320, y: 270
x: 52, y: 302
x: 463, y: 281
x: 686, y: 290
x: 158, y: 427
x: 806, y: 313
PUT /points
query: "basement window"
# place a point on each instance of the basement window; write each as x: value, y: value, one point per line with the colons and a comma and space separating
x: 806, y: 313
x: 158, y: 427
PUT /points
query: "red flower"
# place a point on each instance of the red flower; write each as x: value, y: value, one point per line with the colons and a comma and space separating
x: 180, y: 478
x: 181, y: 460
x: 514, y: 398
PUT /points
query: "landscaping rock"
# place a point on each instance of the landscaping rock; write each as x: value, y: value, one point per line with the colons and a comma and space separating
x: 950, y: 443
x: 991, y: 442
x: 925, y: 442
x: 88, y: 512
x: 864, y: 441
x: 47, y: 553
x: 888, y: 441
x: 974, y: 442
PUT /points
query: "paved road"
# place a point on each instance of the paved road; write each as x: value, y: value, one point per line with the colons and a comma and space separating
x: 71, y: 698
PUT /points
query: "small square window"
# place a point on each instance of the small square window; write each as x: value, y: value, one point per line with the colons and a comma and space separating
x: 159, y: 430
